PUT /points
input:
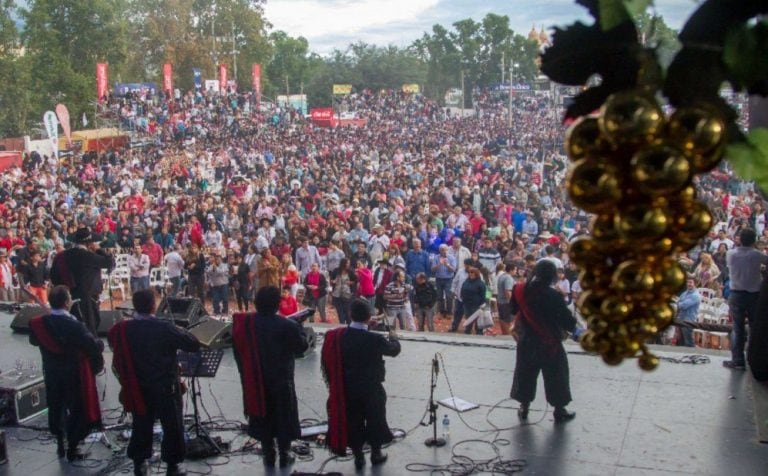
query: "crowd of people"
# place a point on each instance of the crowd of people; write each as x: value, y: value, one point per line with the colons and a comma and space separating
x: 419, y: 212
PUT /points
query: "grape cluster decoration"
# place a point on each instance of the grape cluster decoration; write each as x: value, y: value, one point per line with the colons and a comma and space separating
x: 632, y: 168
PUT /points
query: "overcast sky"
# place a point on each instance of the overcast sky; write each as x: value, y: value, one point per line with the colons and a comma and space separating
x: 334, y: 24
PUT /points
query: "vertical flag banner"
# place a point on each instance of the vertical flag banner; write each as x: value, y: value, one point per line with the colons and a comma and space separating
x: 102, y: 80
x: 52, y: 128
x: 197, y: 78
x: 167, y: 78
x: 223, y: 79
x: 62, y: 113
x: 257, y: 82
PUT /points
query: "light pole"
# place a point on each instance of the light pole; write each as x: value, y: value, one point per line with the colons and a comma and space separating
x: 512, y: 67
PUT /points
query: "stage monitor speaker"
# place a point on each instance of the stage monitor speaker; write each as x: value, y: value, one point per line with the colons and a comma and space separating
x: 108, y: 319
x: 184, y: 312
x: 312, y: 338
x: 21, y: 320
x: 213, y: 333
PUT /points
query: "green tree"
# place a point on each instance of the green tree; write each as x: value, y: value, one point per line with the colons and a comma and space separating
x: 14, y: 76
x: 288, y: 67
x: 654, y: 32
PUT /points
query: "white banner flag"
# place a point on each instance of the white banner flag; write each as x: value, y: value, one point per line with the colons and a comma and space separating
x: 85, y: 120
x: 51, y: 124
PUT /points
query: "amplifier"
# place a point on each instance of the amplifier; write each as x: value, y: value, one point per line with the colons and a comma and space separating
x: 212, y: 333
x: 22, y: 396
x: 184, y: 312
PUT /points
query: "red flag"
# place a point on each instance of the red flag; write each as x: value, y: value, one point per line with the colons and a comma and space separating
x: 223, y: 79
x: 168, y: 79
x: 101, y: 80
x: 63, y: 114
x: 257, y: 82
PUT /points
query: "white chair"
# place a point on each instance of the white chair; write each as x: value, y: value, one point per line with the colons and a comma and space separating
x: 113, y: 284
x: 158, y: 277
x: 706, y: 294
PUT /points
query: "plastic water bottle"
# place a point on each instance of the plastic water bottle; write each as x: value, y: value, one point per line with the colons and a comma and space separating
x: 446, y: 427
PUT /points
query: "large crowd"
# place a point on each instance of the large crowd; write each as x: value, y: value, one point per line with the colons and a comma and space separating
x: 419, y: 211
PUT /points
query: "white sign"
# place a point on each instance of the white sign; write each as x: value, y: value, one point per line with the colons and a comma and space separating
x: 51, y: 124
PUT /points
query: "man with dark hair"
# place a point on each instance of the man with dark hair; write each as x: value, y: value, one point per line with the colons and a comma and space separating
x: 71, y: 359
x: 353, y: 368
x: 265, y: 348
x: 79, y: 269
x: 145, y: 362
x: 542, y: 317
x: 744, y: 264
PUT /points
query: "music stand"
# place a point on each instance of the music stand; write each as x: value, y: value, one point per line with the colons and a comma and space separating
x: 203, y: 363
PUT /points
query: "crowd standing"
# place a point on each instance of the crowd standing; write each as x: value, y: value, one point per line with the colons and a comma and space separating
x: 426, y: 214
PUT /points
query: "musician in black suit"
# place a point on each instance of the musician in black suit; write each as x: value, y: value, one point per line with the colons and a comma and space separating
x: 353, y: 366
x: 79, y: 268
x: 71, y: 358
x: 266, y: 345
x: 144, y: 359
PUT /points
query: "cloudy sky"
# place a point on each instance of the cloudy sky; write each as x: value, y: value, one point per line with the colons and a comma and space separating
x: 333, y: 24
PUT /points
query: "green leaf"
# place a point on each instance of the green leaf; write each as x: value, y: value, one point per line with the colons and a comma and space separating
x: 636, y: 7
x: 750, y: 157
x: 745, y: 57
x: 612, y: 13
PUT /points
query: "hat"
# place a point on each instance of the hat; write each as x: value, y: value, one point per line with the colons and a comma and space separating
x: 3, y: 252
x: 545, y: 236
x: 400, y: 265
x: 83, y: 236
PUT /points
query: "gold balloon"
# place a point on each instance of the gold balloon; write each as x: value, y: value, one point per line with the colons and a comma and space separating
x: 654, y: 249
x: 613, y: 308
x: 632, y: 277
x: 593, y: 186
x: 660, y: 170
x: 587, y: 341
x: 589, y: 302
x: 703, y: 163
x: 670, y: 277
x: 696, y: 130
x: 648, y: 361
x: 662, y: 314
x: 629, y: 117
x: 584, y: 138
x: 584, y: 251
x: 693, y: 223
x: 605, y: 235
x: 612, y: 357
x: 639, y: 222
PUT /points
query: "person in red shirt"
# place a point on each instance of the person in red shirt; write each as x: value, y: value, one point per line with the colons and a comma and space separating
x: 477, y: 221
x: 288, y: 303
x: 153, y: 251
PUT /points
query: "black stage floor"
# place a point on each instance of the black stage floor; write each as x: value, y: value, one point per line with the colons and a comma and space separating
x: 680, y: 419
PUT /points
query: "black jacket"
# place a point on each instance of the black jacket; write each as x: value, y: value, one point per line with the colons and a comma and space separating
x: 361, y: 353
x: 424, y: 295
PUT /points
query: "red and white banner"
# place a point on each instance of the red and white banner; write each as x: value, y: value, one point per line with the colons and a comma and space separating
x: 223, y: 79
x: 321, y: 113
x: 256, y: 72
x: 102, y: 80
x: 167, y: 78
x: 62, y: 113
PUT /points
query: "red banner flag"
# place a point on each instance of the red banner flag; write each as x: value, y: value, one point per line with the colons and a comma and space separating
x: 63, y: 114
x: 168, y: 79
x: 257, y: 82
x: 223, y: 79
x: 102, y: 81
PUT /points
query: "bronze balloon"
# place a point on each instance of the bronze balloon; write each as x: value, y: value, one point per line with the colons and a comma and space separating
x: 696, y: 130
x: 632, y: 277
x: 660, y: 170
x: 648, y: 361
x: 589, y: 303
x: 670, y: 277
x: 614, y: 308
x: 584, y: 251
x: 593, y: 186
x: 694, y: 223
x: 584, y: 138
x: 639, y: 222
x: 629, y: 117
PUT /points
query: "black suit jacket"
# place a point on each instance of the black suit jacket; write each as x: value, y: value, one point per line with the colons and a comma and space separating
x: 362, y: 353
x: 280, y: 340
x: 73, y: 337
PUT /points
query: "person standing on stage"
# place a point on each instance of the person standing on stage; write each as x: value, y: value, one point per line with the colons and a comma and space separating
x: 71, y: 359
x: 79, y: 269
x: 542, y: 317
x: 266, y: 345
x: 138, y: 264
x: 353, y: 368
x: 144, y: 360
x: 744, y: 263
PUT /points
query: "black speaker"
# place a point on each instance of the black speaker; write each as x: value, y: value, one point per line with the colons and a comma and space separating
x: 312, y: 338
x: 21, y: 320
x: 213, y: 333
x: 108, y: 319
x: 184, y: 312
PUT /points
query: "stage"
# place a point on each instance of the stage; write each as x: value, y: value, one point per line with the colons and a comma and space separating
x: 680, y: 419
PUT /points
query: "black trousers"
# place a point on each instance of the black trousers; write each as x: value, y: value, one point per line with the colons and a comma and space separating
x: 532, y: 358
x: 164, y: 403
x: 87, y: 312
x: 66, y: 415
x: 367, y: 420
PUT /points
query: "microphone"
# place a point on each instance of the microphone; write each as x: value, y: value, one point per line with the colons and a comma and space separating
x: 301, y: 316
x: 75, y: 301
x: 435, y: 365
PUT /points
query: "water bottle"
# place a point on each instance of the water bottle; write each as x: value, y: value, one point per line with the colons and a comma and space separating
x: 446, y: 427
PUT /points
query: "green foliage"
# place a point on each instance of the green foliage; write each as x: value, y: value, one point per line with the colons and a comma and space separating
x: 750, y: 157
x: 745, y: 56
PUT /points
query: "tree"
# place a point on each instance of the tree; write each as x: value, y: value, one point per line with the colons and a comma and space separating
x: 654, y: 32
x: 288, y: 67
x: 14, y: 76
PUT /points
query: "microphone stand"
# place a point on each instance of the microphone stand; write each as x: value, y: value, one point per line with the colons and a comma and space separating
x: 433, y: 440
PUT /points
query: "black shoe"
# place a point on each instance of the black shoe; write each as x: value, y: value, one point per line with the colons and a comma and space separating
x: 562, y: 415
x: 377, y: 457
x: 286, y: 459
x: 522, y: 412
x: 175, y: 470
x: 359, y: 460
x: 73, y: 454
x: 270, y: 457
x: 140, y: 468
x: 730, y: 364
